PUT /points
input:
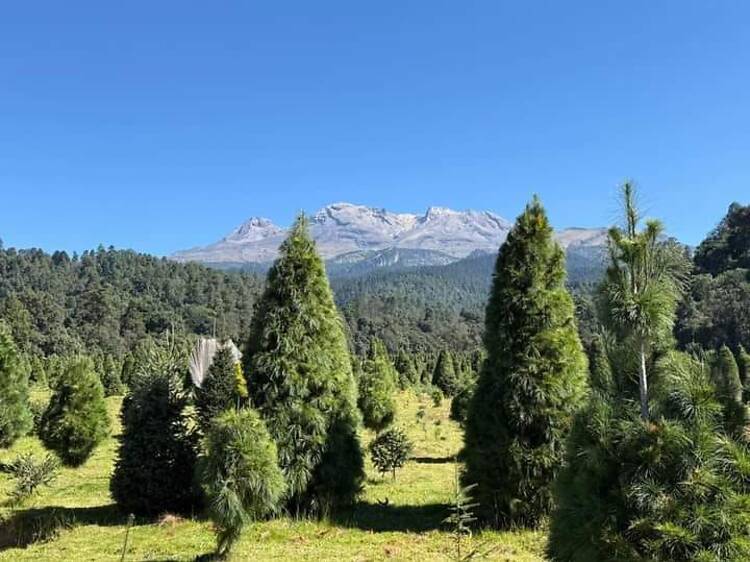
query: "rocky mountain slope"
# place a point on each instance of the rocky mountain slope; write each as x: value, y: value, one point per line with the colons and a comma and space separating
x: 348, y: 234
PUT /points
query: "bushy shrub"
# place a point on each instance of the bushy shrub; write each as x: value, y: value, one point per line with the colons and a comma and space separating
x: 219, y: 390
x: 673, y: 488
x: 76, y: 419
x: 15, y: 416
x: 532, y: 381
x: 390, y: 450
x: 300, y: 379
x: 726, y: 377
x: 156, y: 456
x: 240, y: 473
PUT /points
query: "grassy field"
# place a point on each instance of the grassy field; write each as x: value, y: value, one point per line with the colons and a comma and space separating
x: 395, y: 520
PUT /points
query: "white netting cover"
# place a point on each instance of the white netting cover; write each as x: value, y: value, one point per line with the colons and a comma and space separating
x: 203, y: 355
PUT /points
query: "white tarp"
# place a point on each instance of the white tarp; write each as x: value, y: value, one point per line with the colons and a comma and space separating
x: 203, y: 355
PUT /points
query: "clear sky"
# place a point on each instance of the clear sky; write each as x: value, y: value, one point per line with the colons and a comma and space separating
x: 162, y: 125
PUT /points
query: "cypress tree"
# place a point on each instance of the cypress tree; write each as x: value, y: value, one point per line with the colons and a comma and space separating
x: 301, y: 381
x: 156, y: 456
x: 76, y: 419
x: 532, y: 381
x: 15, y: 415
x: 445, y: 376
x: 219, y: 389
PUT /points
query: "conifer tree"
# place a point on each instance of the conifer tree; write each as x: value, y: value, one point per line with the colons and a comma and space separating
x: 532, y: 381
x: 377, y: 387
x: 445, y: 376
x: 15, y: 415
x: 76, y: 419
x: 301, y: 378
x: 726, y: 377
x: 743, y: 365
x: 156, y: 456
x: 219, y: 389
x: 240, y: 473
x: 408, y: 373
x: 653, y: 469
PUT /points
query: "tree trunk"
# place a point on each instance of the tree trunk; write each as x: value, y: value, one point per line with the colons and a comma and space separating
x: 643, y: 382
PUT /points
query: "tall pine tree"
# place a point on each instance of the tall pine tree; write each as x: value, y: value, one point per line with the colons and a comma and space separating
x: 301, y: 381
x: 446, y: 378
x: 532, y: 381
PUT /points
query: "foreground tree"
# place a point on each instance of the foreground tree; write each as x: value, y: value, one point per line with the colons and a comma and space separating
x: 240, y: 474
x: 156, y: 457
x: 301, y: 379
x: 15, y: 415
x: 651, y: 472
x: 674, y: 488
x: 76, y: 419
x: 532, y: 381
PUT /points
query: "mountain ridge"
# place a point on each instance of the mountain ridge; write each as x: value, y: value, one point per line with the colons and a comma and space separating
x: 345, y: 231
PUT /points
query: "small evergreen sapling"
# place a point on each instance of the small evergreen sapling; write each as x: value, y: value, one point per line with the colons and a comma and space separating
x: 390, y: 450
x: 29, y: 474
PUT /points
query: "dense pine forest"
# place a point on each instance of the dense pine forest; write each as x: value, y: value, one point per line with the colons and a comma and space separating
x: 602, y: 409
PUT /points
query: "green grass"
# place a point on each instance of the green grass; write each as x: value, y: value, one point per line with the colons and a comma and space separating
x: 394, y: 520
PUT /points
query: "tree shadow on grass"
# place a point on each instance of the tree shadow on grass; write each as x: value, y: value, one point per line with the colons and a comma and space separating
x: 383, y: 517
x: 25, y: 527
x: 433, y: 460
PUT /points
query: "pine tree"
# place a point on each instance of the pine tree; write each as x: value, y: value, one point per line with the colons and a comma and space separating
x: 672, y: 488
x: 408, y: 373
x: 652, y: 469
x: 76, y: 419
x: 240, y: 473
x: 743, y: 365
x: 644, y: 282
x: 110, y: 376
x: 15, y: 415
x: 301, y: 378
x: 156, y: 456
x: 445, y: 376
x: 377, y: 387
x: 532, y: 381
x: 726, y: 377
x: 218, y: 392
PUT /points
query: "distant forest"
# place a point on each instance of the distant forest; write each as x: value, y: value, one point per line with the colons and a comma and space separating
x: 106, y: 300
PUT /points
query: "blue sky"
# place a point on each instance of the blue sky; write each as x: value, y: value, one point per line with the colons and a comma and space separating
x: 163, y: 125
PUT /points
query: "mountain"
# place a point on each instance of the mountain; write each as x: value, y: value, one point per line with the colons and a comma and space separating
x: 355, y: 238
